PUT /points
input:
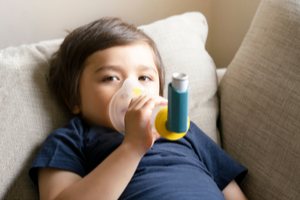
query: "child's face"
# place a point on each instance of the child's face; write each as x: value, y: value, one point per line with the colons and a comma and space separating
x: 104, y: 73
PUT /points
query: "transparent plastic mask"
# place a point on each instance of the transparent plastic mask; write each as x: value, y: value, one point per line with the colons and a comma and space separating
x: 120, y: 101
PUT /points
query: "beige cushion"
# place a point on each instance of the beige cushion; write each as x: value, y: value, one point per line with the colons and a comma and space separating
x: 260, y: 103
x: 29, y: 112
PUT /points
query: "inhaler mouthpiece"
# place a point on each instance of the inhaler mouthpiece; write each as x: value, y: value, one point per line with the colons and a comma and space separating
x: 120, y: 101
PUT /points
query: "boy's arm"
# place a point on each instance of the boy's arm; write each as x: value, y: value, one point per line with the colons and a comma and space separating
x: 107, y: 181
x: 233, y: 192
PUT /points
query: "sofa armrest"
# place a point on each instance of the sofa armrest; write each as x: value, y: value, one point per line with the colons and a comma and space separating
x: 260, y: 103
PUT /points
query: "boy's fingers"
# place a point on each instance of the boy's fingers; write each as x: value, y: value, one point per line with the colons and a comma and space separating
x: 140, y: 100
x: 135, y: 101
x: 143, y: 102
x: 160, y: 101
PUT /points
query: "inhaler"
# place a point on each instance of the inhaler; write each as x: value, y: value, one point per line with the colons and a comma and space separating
x: 171, y: 122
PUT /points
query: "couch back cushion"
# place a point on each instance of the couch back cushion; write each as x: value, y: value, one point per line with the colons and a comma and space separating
x: 29, y: 111
x: 260, y: 103
x: 28, y: 114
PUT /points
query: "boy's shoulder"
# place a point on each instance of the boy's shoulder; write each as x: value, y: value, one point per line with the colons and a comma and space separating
x: 79, y: 128
x: 75, y: 124
x: 73, y: 129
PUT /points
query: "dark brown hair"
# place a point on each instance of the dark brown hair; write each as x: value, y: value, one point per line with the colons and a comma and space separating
x: 67, y: 66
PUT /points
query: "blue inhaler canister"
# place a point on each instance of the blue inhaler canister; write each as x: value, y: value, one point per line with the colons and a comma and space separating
x: 178, y: 103
x: 172, y: 122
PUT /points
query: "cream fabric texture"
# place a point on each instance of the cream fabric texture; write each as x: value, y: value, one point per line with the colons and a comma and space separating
x: 28, y: 112
x: 260, y: 103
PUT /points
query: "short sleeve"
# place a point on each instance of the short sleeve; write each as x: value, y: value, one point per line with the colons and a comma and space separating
x: 63, y: 149
x: 221, y: 166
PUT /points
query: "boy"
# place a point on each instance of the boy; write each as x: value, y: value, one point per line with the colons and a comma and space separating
x: 88, y: 159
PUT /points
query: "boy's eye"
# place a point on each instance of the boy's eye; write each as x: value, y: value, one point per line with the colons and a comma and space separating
x: 145, y: 78
x: 110, y: 78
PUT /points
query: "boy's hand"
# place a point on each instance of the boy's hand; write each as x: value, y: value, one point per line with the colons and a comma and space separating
x: 138, y: 130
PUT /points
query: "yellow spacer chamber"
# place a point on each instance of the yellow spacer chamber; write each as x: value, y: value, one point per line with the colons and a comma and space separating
x: 161, y: 125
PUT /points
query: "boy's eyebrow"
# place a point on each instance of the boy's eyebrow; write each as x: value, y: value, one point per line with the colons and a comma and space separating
x: 116, y: 68
x: 146, y: 68
x: 107, y: 67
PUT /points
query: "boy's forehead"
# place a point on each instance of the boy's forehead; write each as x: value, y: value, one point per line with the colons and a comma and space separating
x: 138, y: 55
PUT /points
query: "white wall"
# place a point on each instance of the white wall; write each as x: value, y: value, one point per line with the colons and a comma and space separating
x: 28, y: 21
x: 230, y: 22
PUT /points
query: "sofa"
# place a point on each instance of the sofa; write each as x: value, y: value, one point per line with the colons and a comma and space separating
x: 251, y: 108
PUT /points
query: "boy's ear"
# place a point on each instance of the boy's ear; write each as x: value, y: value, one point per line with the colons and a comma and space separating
x: 76, y: 110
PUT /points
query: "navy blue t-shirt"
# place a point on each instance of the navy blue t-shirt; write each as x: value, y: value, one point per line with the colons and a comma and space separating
x: 193, y: 167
